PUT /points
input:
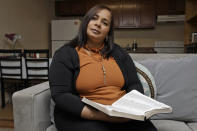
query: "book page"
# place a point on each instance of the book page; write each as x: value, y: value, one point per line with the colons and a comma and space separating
x: 105, y: 108
x: 133, y: 105
x: 134, y: 101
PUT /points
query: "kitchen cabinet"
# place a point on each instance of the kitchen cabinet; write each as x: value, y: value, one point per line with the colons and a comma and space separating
x: 147, y: 14
x: 70, y: 8
x: 190, y: 23
x: 127, y: 13
x: 114, y: 5
x: 137, y: 14
x: 191, y: 48
x: 170, y: 7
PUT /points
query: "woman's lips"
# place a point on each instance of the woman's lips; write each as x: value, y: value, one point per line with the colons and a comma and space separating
x: 95, y: 31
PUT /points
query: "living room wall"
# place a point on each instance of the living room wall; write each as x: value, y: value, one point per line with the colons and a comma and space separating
x: 28, y: 18
x: 31, y: 19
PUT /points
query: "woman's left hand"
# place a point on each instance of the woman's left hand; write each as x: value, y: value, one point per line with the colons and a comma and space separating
x: 104, y: 117
x: 93, y: 114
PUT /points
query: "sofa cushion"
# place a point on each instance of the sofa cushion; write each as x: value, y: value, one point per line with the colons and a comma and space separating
x: 52, y: 108
x: 147, y: 80
x: 170, y: 125
x: 51, y: 128
x: 176, y: 81
x: 193, y: 126
x: 28, y: 107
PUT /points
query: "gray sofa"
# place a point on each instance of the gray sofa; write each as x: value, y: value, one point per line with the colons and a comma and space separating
x: 176, y: 82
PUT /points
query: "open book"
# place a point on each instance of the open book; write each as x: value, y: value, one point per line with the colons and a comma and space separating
x: 133, y: 105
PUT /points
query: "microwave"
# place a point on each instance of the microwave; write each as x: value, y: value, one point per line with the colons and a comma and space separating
x: 194, y: 37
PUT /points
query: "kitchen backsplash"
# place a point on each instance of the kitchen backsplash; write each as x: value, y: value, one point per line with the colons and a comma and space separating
x: 148, y: 37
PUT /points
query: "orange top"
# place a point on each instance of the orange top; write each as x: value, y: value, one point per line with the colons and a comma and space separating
x: 93, y: 84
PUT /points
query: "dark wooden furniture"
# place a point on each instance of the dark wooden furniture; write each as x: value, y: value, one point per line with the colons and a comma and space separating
x: 127, y: 13
x: 190, y: 24
x: 170, y: 7
x: 37, y: 69
x: 70, y: 8
x: 191, y: 48
x: 136, y: 14
x: 11, y: 72
x: 114, y: 5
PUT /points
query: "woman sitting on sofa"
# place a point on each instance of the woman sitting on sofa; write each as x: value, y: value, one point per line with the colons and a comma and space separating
x: 92, y: 66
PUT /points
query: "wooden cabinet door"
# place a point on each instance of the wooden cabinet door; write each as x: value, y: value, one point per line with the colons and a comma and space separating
x: 180, y: 6
x: 162, y: 7
x: 128, y: 14
x: 114, y: 5
x: 170, y: 7
x: 70, y: 8
x: 146, y: 13
x: 176, y: 7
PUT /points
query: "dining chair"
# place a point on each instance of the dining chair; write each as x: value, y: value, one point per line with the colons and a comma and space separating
x: 37, y: 66
x: 11, y: 72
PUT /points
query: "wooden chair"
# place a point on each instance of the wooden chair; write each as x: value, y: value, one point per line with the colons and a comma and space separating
x: 37, y: 66
x: 11, y: 72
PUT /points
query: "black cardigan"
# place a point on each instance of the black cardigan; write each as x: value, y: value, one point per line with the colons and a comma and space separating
x: 63, y: 73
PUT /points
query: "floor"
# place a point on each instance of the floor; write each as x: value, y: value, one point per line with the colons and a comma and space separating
x: 6, y: 129
x: 6, y: 114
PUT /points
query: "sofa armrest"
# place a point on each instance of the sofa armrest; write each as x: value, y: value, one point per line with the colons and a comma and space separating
x: 31, y: 108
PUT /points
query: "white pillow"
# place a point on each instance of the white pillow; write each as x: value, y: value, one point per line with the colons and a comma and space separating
x: 147, y: 80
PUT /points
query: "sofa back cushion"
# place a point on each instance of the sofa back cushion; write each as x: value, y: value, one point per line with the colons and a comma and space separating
x: 176, y: 82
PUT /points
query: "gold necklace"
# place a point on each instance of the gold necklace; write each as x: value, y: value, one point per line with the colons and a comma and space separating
x: 100, y: 61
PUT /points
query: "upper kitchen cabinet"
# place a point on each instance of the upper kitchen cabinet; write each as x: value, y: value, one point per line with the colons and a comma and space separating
x: 130, y: 13
x: 170, y: 7
x: 70, y: 8
x: 114, y: 5
x: 190, y: 22
x: 147, y: 14
x: 137, y: 14
x: 127, y: 13
x: 191, y: 11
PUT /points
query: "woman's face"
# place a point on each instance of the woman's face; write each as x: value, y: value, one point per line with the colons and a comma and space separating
x: 98, y: 27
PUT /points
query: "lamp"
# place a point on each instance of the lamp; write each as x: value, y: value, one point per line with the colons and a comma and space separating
x: 13, y: 38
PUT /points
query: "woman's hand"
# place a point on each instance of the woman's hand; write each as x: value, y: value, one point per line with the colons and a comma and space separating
x: 93, y: 114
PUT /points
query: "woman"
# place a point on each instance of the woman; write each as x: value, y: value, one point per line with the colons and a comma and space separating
x: 92, y: 66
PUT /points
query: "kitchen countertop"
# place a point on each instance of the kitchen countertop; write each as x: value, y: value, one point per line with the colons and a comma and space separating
x: 141, y: 50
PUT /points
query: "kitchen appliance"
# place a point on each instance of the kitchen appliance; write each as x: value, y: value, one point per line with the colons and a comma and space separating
x: 194, y: 37
x: 63, y: 31
x: 170, y: 18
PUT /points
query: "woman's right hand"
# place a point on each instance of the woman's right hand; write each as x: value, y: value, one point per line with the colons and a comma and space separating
x: 93, y: 114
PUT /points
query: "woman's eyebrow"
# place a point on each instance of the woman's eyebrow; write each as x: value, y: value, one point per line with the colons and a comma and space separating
x: 105, y: 19
x: 96, y: 15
